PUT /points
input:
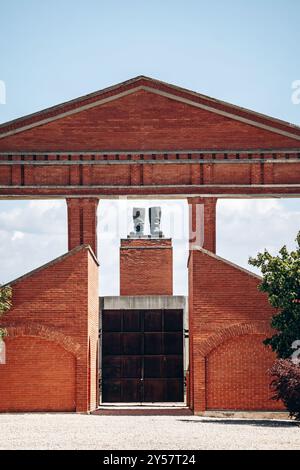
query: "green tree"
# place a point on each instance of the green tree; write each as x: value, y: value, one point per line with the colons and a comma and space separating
x: 281, y: 281
x: 5, y: 305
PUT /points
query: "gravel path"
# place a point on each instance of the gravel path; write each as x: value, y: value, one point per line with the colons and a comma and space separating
x: 74, y: 431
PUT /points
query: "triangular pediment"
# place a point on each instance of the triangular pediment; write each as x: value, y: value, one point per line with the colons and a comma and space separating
x: 146, y: 114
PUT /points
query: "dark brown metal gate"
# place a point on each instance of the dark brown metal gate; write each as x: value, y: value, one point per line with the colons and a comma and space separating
x: 142, y: 356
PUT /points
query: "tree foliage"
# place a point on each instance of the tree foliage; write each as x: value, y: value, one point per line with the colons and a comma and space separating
x: 286, y: 385
x: 5, y: 299
x: 5, y: 304
x: 281, y: 281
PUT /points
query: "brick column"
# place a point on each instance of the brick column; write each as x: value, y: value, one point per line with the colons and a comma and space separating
x: 82, y: 222
x: 146, y: 266
x: 202, y: 224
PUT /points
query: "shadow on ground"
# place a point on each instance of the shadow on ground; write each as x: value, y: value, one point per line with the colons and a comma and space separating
x: 246, y: 422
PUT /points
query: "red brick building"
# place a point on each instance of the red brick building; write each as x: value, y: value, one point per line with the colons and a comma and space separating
x: 141, y: 138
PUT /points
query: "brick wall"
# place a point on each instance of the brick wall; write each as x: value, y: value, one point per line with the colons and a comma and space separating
x: 93, y: 331
x: 229, y: 318
x: 237, y: 375
x: 146, y: 267
x: 55, y: 310
x: 39, y: 376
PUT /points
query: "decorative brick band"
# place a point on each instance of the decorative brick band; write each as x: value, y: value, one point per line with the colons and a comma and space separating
x: 41, y: 331
x: 204, y: 348
x: 122, y: 157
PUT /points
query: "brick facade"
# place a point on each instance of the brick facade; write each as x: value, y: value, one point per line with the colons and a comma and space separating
x: 230, y: 318
x: 147, y: 137
x: 53, y: 337
x: 146, y: 266
x: 141, y: 138
x: 39, y: 376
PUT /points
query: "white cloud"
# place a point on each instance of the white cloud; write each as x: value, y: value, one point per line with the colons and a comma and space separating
x: 17, y: 235
x: 33, y: 216
x: 246, y: 227
x: 31, y: 234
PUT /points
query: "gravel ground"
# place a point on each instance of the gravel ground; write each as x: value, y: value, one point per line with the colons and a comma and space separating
x: 74, y: 431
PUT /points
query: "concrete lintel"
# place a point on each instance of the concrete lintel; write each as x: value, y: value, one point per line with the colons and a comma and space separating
x: 143, y: 302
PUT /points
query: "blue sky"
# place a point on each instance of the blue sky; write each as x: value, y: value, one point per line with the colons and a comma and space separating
x: 244, y: 52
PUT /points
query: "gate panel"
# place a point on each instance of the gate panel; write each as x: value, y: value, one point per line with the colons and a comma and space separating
x: 142, y: 356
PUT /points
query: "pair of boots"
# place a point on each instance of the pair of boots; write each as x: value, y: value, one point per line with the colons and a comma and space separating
x: 138, y: 214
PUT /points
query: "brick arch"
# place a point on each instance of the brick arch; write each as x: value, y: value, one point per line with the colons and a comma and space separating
x: 39, y: 375
x: 237, y: 375
x: 45, y: 332
x: 205, y: 347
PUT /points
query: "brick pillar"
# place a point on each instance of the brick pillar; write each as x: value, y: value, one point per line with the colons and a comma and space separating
x: 82, y: 222
x: 203, y: 222
x: 202, y: 228
x: 146, y: 266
